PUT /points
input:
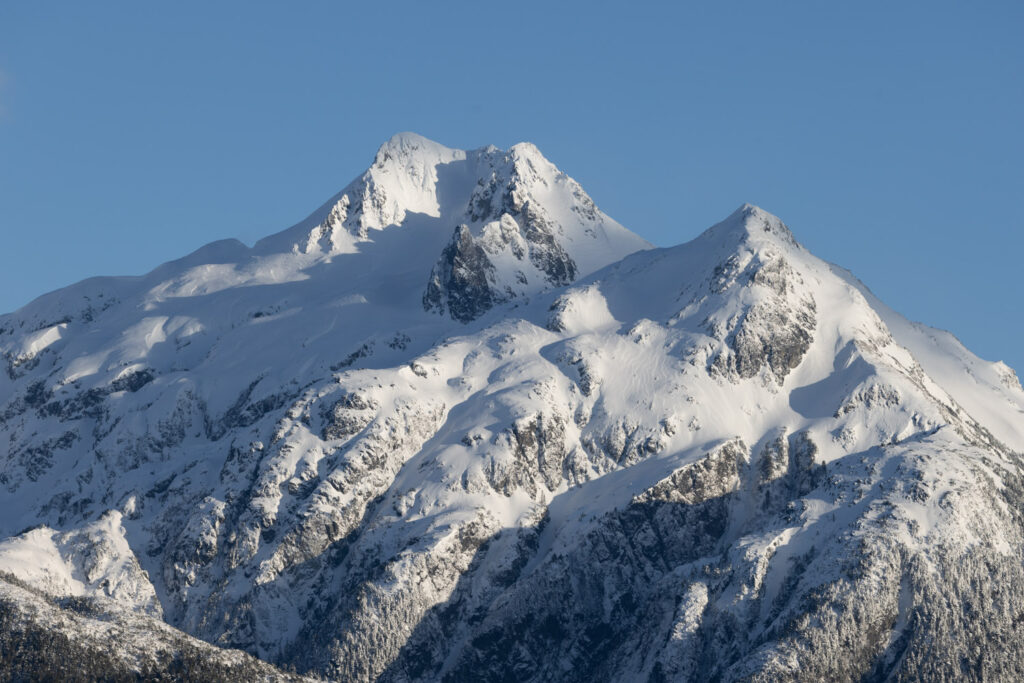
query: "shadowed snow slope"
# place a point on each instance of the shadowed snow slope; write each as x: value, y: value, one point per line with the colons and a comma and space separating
x: 459, y: 424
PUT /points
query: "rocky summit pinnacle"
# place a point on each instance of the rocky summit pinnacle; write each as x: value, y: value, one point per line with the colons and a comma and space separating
x: 459, y: 424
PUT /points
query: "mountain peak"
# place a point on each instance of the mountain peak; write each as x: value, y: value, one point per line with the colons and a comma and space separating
x: 751, y: 225
x: 402, y: 147
x: 525, y: 150
x: 409, y: 139
x: 407, y: 146
x: 484, y: 226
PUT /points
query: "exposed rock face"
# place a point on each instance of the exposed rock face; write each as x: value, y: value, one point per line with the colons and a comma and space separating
x: 462, y: 281
x: 776, y: 326
x: 653, y: 593
x: 511, y: 227
x: 373, y: 449
x: 713, y: 476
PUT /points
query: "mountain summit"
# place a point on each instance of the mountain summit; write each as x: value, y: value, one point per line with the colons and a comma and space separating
x: 458, y: 424
x: 512, y: 224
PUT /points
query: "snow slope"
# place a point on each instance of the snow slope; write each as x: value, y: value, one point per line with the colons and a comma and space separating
x: 460, y: 423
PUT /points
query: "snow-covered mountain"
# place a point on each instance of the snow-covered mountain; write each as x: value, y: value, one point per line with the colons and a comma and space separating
x: 459, y: 424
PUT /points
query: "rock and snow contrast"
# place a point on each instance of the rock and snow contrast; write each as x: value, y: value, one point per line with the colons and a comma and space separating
x: 460, y: 425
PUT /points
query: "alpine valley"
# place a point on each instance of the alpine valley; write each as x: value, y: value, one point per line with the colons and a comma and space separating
x: 460, y: 425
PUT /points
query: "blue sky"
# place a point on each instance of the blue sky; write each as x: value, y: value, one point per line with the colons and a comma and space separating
x: 887, y: 135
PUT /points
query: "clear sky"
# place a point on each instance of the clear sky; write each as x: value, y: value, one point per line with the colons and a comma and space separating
x: 888, y: 135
